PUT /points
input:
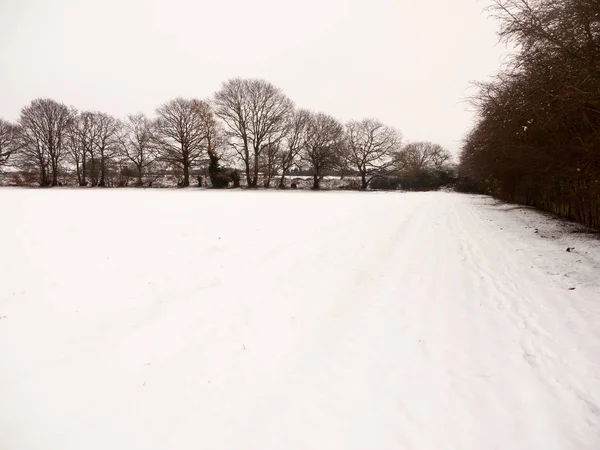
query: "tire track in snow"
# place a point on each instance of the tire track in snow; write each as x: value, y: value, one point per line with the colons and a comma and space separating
x: 438, y: 332
x: 336, y: 347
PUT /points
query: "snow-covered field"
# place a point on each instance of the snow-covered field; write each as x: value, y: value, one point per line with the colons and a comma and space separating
x: 153, y: 320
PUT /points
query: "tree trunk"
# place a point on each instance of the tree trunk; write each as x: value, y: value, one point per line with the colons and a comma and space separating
x: 255, y: 169
x: 255, y: 176
x: 363, y: 182
x: 83, y: 181
x: 186, y: 174
x: 93, y: 174
x: 54, y: 174
x: 282, y: 181
x: 247, y: 164
x: 43, y: 177
x: 78, y: 171
x: 102, y: 182
x: 78, y: 174
x: 316, y: 182
x: 248, y: 175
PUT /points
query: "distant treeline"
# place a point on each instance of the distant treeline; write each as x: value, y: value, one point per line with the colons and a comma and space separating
x: 537, y: 141
x: 248, y: 134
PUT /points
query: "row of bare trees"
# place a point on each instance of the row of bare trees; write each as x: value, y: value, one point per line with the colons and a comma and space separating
x: 249, y: 123
x: 50, y: 135
x: 537, y: 141
x: 270, y: 136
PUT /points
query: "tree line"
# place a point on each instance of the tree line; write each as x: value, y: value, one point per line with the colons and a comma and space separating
x: 537, y: 139
x: 248, y: 133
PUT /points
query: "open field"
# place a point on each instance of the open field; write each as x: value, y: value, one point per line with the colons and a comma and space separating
x: 187, y: 319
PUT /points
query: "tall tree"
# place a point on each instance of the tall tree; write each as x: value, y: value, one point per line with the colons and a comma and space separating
x: 137, y: 144
x: 105, y: 144
x: 182, y: 133
x: 324, y: 145
x: 370, y: 146
x: 43, y: 126
x: 79, y: 142
x: 254, y: 112
x: 293, y: 142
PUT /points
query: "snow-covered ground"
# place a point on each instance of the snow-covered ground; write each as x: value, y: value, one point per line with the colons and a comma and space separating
x: 186, y: 319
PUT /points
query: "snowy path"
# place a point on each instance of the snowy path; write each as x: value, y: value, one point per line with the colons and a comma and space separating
x: 237, y: 320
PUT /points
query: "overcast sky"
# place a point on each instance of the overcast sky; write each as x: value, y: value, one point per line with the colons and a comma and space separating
x: 407, y: 62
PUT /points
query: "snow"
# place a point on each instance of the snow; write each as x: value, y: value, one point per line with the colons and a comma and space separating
x: 189, y: 319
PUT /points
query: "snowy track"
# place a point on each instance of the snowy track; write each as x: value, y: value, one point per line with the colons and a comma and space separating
x: 266, y: 320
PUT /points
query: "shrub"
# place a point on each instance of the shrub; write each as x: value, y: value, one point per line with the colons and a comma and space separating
x: 385, y: 183
x: 221, y: 177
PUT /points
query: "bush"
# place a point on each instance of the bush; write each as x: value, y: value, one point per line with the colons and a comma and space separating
x: 220, y: 180
x: 385, y: 183
x: 221, y: 177
x: 351, y: 185
x: 218, y: 177
x: 428, y: 179
x: 467, y: 184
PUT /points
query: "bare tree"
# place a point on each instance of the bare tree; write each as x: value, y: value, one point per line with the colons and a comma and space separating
x: 43, y: 126
x: 9, y: 141
x: 324, y: 143
x: 293, y: 142
x: 92, y: 142
x: 182, y: 134
x: 137, y: 144
x: 74, y: 149
x: 254, y: 112
x: 105, y: 145
x: 89, y: 138
x: 369, y: 148
x: 418, y: 156
x: 79, y: 142
x: 537, y: 138
x: 424, y: 166
x: 232, y: 108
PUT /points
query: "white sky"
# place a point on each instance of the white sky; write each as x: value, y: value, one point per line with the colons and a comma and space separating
x: 407, y: 62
